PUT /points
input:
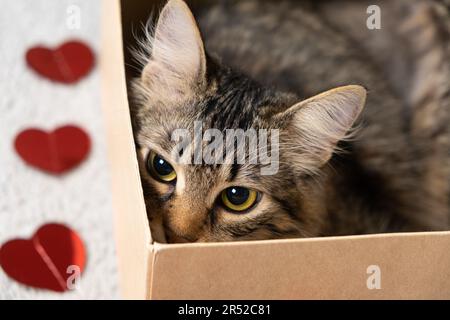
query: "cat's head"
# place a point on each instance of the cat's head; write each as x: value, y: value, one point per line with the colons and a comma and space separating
x: 181, y: 87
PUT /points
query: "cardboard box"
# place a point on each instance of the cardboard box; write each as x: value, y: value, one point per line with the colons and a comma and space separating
x: 386, y: 266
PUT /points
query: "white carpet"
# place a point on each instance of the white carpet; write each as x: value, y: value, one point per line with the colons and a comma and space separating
x: 29, y: 198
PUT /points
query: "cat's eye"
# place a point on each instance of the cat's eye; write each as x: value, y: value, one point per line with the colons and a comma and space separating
x: 160, y: 169
x: 238, y: 199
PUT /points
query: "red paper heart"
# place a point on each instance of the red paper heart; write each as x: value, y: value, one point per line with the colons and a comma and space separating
x: 67, y: 64
x: 55, y: 152
x: 43, y: 261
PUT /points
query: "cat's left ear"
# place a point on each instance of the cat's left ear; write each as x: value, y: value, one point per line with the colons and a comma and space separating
x: 178, y: 60
x: 314, y: 126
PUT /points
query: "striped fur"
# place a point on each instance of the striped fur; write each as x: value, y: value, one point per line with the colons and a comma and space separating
x: 391, y: 174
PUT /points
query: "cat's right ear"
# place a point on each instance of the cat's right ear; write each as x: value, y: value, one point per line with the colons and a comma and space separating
x: 177, y: 63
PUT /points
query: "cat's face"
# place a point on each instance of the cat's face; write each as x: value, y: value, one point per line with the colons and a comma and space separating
x: 189, y: 199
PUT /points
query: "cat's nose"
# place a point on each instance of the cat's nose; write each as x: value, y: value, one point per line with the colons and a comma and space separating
x: 172, y: 237
x: 176, y: 239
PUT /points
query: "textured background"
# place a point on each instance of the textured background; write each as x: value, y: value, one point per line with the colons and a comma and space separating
x: 29, y: 198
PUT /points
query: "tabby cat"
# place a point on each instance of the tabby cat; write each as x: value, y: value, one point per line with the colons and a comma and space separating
x: 363, y: 117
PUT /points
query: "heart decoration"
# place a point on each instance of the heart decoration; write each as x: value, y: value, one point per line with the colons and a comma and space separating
x: 44, y: 260
x: 54, y: 152
x: 67, y: 64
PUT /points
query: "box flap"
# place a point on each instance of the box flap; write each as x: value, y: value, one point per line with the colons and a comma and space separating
x: 318, y: 268
x: 132, y: 229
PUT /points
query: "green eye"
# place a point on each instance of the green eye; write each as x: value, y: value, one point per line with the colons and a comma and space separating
x: 238, y: 199
x: 160, y: 169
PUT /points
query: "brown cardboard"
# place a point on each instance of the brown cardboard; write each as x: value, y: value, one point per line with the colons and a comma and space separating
x: 132, y: 229
x: 411, y: 265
